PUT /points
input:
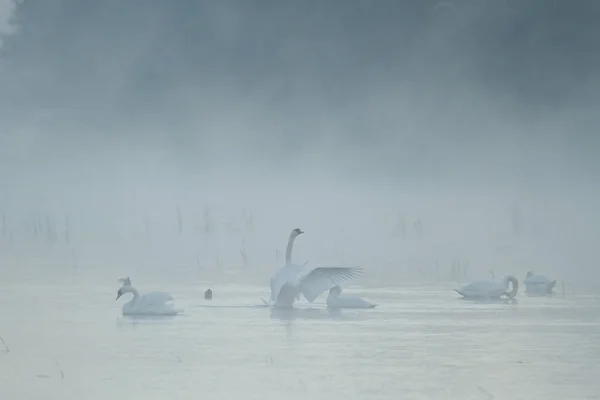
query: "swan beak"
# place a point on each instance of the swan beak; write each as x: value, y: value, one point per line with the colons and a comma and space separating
x: 118, y: 295
x: 300, y: 232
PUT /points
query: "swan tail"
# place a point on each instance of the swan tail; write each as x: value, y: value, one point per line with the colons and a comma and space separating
x: 551, y: 285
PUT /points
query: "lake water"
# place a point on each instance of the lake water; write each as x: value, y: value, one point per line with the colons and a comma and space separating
x: 70, y: 341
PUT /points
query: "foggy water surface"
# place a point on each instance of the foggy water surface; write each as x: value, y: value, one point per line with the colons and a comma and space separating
x: 422, y: 342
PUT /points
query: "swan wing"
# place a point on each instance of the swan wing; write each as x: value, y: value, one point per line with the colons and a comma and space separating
x: 321, y: 279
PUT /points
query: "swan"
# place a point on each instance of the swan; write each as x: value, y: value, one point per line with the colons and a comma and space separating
x: 336, y: 300
x: 490, y: 290
x: 538, y: 284
x: 290, y: 281
x: 153, y: 303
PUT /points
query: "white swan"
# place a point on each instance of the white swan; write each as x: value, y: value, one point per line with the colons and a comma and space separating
x: 153, y: 303
x: 490, y: 290
x: 336, y: 300
x: 290, y: 282
x: 538, y: 284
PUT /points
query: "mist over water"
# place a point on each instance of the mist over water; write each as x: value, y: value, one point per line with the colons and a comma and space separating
x: 472, y: 118
x: 180, y: 142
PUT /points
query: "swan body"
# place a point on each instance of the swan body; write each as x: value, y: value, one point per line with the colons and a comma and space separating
x: 153, y: 303
x: 490, y: 290
x: 291, y: 281
x: 312, y: 284
x: 337, y: 300
x: 538, y: 284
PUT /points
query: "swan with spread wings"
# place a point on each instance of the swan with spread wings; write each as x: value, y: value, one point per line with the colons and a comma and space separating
x: 291, y: 281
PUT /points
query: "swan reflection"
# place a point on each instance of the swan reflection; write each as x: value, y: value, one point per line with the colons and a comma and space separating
x: 133, y: 321
x: 313, y: 313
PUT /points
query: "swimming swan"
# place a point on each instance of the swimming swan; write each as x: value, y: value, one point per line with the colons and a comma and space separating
x: 337, y: 300
x: 538, y: 284
x: 290, y: 281
x: 490, y: 290
x: 153, y: 303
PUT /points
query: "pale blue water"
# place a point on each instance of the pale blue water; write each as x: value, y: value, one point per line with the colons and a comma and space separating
x: 71, y: 342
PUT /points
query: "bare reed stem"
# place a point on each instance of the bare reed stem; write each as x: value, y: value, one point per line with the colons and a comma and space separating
x: 7, y: 350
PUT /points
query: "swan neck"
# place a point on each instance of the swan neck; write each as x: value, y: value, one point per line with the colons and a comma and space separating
x: 136, y: 294
x: 514, y: 285
x: 289, y: 248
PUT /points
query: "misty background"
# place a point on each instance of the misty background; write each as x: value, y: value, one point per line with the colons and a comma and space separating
x: 186, y: 137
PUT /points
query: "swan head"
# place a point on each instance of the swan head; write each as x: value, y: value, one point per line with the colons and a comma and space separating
x: 296, y: 232
x: 125, y: 281
x: 335, y: 291
x: 529, y: 273
x: 208, y: 294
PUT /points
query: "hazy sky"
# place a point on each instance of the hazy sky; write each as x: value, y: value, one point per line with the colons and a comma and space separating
x: 414, y: 79
x: 145, y: 104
